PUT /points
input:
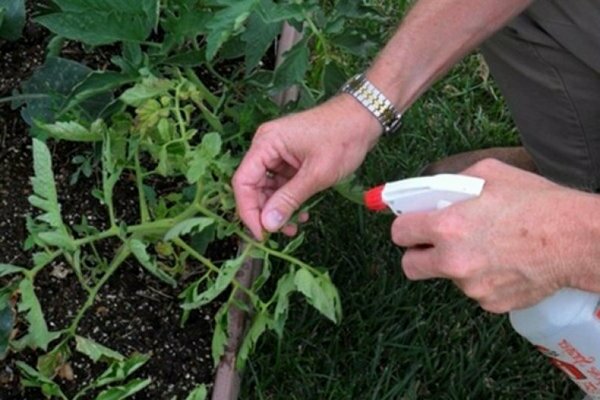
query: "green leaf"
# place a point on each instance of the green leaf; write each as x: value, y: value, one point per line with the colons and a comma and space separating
x: 220, y: 338
x: 12, y: 19
x: 214, y: 288
x: 356, y: 42
x: 121, y: 370
x: 32, y: 378
x: 260, y: 323
x: 278, y: 12
x: 72, y: 131
x: 58, y: 239
x: 351, y: 190
x: 138, y: 249
x: 124, y: 391
x: 102, y: 22
x: 203, y: 156
x: 225, y: 22
x: 150, y: 87
x: 38, y: 336
x: 96, y: 351
x: 294, y: 66
x: 97, y: 83
x: 199, y: 393
x: 211, y: 145
x: 191, y: 225
x: 8, y: 269
x: 189, y: 22
x: 45, y: 198
x: 258, y: 37
x: 294, y: 244
x: 285, y: 286
x: 44, y: 187
x: 319, y: 292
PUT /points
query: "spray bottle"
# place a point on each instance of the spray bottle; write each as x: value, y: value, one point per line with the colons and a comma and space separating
x: 564, y: 326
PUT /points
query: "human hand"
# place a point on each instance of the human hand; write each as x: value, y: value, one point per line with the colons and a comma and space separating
x: 521, y: 240
x: 294, y: 157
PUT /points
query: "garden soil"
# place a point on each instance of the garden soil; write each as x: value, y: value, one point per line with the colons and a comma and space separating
x: 134, y: 312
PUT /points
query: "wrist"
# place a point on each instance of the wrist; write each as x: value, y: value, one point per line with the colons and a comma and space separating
x: 374, y: 101
x: 363, y: 122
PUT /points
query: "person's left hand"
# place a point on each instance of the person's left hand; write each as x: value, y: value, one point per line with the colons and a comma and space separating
x: 521, y: 240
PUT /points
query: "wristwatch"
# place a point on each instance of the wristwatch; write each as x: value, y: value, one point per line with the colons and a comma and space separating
x: 373, y: 100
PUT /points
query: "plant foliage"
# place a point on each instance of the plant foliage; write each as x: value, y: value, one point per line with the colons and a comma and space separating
x: 189, y: 84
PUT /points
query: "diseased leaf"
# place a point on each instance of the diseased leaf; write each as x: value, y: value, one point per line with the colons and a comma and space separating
x: 32, y: 378
x: 47, y: 92
x: 138, y: 249
x: 49, y: 364
x: 38, y: 336
x: 124, y: 391
x: 121, y: 370
x: 192, y: 225
x: 96, y: 351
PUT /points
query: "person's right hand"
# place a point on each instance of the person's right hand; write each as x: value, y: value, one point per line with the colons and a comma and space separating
x: 296, y: 156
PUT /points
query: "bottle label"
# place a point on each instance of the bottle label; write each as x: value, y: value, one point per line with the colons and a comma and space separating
x: 581, y: 368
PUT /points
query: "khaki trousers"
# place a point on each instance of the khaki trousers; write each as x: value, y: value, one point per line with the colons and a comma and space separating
x: 547, y: 65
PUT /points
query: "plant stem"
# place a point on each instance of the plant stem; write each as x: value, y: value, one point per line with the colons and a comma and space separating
x: 139, y: 178
x: 121, y: 256
x: 206, y: 94
x: 205, y: 261
x: 256, y: 244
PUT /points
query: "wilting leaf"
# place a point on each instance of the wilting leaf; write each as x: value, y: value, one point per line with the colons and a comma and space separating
x: 96, y: 351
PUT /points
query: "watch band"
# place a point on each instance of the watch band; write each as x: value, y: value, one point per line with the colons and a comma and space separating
x: 373, y: 100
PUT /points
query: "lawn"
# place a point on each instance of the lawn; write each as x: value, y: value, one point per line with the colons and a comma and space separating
x: 400, y: 339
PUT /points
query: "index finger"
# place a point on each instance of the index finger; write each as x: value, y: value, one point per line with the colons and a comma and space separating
x: 249, y: 197
x: 412, y: 229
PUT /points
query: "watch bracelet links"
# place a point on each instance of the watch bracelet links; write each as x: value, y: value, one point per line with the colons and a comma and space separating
x: 374, y: 101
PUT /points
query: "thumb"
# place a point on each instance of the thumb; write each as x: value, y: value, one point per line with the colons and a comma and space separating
x: 286, y: 200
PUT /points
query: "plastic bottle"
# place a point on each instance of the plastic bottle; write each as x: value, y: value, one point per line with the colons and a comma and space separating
x: 564, y: 326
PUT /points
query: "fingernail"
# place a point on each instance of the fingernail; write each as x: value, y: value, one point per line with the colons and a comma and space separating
x: 273, y: 220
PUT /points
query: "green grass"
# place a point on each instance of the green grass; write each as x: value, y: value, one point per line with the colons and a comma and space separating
x: 401, y: 339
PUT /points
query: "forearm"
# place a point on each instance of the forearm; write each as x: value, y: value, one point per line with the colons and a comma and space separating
x: 432, y: 37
